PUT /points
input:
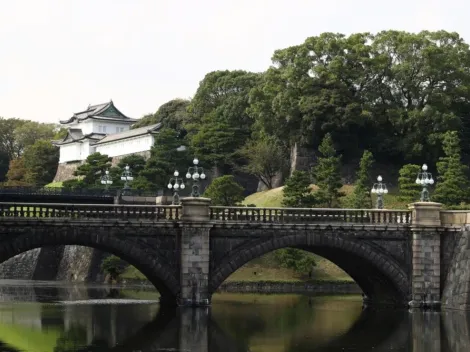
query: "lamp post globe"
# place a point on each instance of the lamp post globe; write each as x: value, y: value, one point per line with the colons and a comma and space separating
x: 127, y: 177
x: 196, y: 173
x: 176, y: 183
x: 424, y: 178
x: 379, y: 188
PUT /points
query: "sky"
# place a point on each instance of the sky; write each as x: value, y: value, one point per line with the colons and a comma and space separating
x: 59, y: 56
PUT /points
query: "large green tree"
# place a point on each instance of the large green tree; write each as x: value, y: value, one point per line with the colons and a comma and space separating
x: 8, y: 142
x: 173, y: 114
x: 327, y: 174
x: 265, y: 158
x: 41, y: 160
x: 220, y: 122
x: 377, y: 92
x: 224, y: 190
x: 166, y: 156
x: 453, y: 187
x: 93, y: 168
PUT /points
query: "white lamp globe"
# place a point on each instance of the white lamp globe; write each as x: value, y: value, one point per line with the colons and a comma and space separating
x: 176, y: 186
x: 379, y: 178
x: 196, y: 161
x: 425, y: 167
x: 385, y: 191
x: 182, y: 186
x: 176, y: 173
x: 374, y: 190
x: 203, y: 176
x: 127, y: 167
x: 431, y: 181
x: 170, y: 186
x: 188, y: 175
x: 418, y: 181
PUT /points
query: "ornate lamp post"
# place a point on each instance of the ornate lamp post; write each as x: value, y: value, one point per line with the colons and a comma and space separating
x: 380, y: 189
x: 126, y: 177
x: 176, y: 183
x: 106, y: 180
x: 424, y: 179
x: 195, y: 172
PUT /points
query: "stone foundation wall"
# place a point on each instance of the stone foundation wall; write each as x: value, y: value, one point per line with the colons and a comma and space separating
x: 62, y: 263
x: 65, y: 171
x: 456, y: 290
x: 80, y: 264
x: 20, y: 267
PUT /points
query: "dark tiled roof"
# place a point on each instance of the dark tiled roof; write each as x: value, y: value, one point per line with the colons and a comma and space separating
x: 105, y: 111
x: 76, y: 135
x: 129, y: 134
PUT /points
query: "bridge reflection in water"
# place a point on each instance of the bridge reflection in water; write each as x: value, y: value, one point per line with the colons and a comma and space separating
x: 286, y: 323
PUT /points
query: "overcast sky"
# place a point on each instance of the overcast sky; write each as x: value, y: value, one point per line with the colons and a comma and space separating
x: 58, y: 56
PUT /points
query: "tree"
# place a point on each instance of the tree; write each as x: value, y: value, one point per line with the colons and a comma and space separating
x: 136, y: 165
x: 29, y: 132
x: 4, y: 162
x: 165, y: 158
x: 17, y: 173
x: 297, y: 192
x: 453, y: 186
x: 327, y: 173
x: 93, y: 168
x: 225, y: 191
x: 265, y: 159
x: 173, y: 114
x: 41, y: 160
x: 381, y: 91
x: 8, y: 142
x: 220, y: 123
x: 407, y: 186
x: 361, y: 195
x: 114, y: 266
x: 296, y: 259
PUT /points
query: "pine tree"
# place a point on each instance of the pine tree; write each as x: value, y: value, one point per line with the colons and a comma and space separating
x: 165, y: 158
x: 328, y: 174
x: 453, y: 185
x: 409, y: 190
x: 297, y: 192
x: 361, y: 195
x: 93, y: 168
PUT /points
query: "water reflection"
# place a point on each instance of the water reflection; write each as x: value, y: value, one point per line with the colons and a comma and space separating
x: 235, y: 322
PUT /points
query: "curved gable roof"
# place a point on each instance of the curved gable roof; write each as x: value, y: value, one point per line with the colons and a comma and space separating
x: 105, y: 111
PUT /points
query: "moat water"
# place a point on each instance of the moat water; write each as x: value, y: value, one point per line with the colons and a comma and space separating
x: 43, y: 317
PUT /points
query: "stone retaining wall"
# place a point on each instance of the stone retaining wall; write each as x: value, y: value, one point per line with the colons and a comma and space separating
x: 290, y: 287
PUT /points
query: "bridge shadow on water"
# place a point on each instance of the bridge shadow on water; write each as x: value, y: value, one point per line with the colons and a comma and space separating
x: 97, y: 322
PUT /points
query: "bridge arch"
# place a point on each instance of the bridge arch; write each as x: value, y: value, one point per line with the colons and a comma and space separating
x: 377, y: 273
x: 146, y: 260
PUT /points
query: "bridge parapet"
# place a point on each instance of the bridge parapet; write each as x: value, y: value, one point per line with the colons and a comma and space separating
x: 90, y: 211
x: 309, y: 215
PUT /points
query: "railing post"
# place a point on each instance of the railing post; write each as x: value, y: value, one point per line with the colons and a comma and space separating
x: 195, y: 255
x: 426, y: 250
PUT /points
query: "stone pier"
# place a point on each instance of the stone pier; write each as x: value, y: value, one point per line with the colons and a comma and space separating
x: 195, y: 254
x: 426, y: 260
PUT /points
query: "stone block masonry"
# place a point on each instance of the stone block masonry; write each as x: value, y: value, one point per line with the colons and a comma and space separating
x: 195, y: 253
x: 426, y: 271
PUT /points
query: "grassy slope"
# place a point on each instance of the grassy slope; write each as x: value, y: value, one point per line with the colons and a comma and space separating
x: 265, y: 268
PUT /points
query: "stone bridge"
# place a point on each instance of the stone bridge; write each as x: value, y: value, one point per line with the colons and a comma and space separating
x: 418, y: 256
